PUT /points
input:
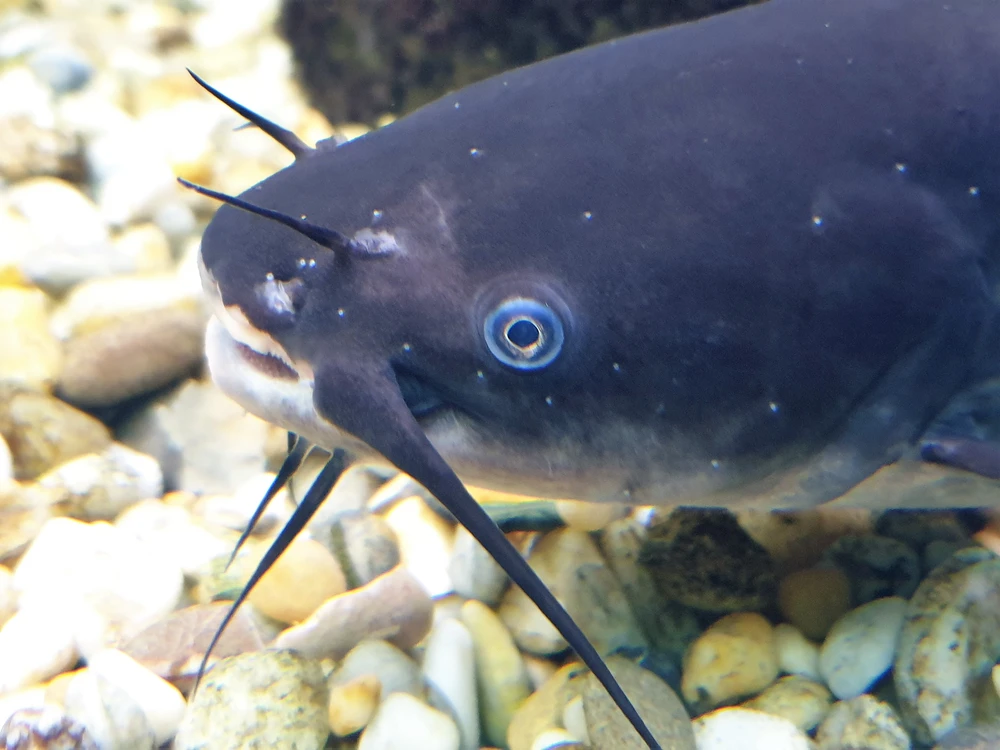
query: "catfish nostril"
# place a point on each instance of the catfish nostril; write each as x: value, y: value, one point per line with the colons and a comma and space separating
x: 281, y: 298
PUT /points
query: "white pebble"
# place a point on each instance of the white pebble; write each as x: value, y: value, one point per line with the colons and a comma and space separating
x: 729, y: 728
x: 403, y: 722
x: 861, y: 646
x: 35, y: 644
x: 796, y: 653
x: 450, y: 671
x: 425, y: 541
x: 111, y: 715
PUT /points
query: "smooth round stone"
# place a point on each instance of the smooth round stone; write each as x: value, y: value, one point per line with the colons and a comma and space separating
x: 551, y: 739
x: 862, y: 722
x: 102, y: 579
x: 273, y: 698
x: 861, y: 646
x: 474, y: 573
x: 130, y: 179
x: 365, y: 545
x: 803, y: 702
x: 62, y: 67
x: 950, y: 641
x: 450, y: 673
x: 35, y: 644
x: 396, y: 670
x: 734, y: 658
x: 729, y: 728
x: 425, y: 541
x: 161, y: 703
x: 353, y: 703
x: 401, y: 719
x: 44, y: 728
x: 501, y: 677
x: 813, y: 599
x: 99, y: 486
x: 919, y: 528
x: 147, y: 246
x: 705, y: 560
x: 876, y: 566
x: 172, y: 531
x: 30, y: 355
x: 569, y: 562
x: 305, y: 576
x: 112, y: 716
x: 796, y: 539
x: 796, y: 653
x: 43, y: 432
x: 395, y: 606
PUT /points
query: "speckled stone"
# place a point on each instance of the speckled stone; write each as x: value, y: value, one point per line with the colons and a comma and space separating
x: 736, y: 657
x: 972, y: 738
x: 861, y: 646
x: 267, y: 699
x: 803, y: 702
x: 704, y: 559
x: 862, y: 722
x: 110, y: 713
x: 876, y: 566
x: 45, y: 728
x: 364, y: 545
x: 813, y: 599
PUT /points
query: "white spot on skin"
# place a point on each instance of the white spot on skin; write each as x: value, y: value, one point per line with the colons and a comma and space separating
x: 900, y: 167
x: 616, y: 367
x: 406, y: 347
x: 340, y: 312
x: 377, y: 215
x: 973, y: 191
x: 773, y: 407
x: 480, y: 375
x: 275, y: 294
x: 548, y: 400
x: 817, y: 220
x: 715, y: 464
x: 376, y: 243
x: 475, y: 153
x: 587, y: 216
x: 269, y: 277
x: 457, y: 105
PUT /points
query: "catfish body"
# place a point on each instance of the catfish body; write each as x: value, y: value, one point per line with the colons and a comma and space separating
x: 769, y: 238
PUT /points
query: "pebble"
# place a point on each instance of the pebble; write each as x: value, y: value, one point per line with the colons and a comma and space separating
x: 949, y: 643
x: 6, y: 468
x: 569, y: 562
x: 972, y: 738
x: 365, y: 545
x: 160, y: 702
x: 861, y: 646
x: 395, y: 606
x: 734, y: 658
x: 8, y: 597
x: 796, y: 653
x: 174, y: 533
x: 877, y: 566
x: 403, y: 722
x: 395, y: 670
x: 63, y: 68
x: 802, y: 701
x: 556, y: 738
x: 424, y: 543
x: 501, y: 678
x: 234, y: 511
x: 100, y: 578
x: 126, y: 336
x: 705, y: 560
x: 796, y: 539
x: 729, y: 728
x: 30, y: 355
x: 99, y: 486
x: 353, y: 703
x: 449, y: 670
x: 863, y: 722
x: 473, y: 572
x: 43, y: 432
x: 111, y: 714
x: 813, y: 599
x: 35, y: 644
x: 273, y: 698
x: 24, y: 510
x: 305, y: 576
x: 589, y: 516
x: 44, y: 728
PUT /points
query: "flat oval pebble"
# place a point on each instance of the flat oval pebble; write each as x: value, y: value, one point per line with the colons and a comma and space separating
x: 299, y: 581
x: 403, y: 722
x: 394, y: 606
x: 30, y: 355
x: 813, y: 599
x: 364, y: 545
x: 173, y: 532
x: 861, y: 646
x: 45, y: 728
x: 862, y: 722
x: 35, y: 644
x: 803, y: 702
x: 425, y: 541
x: 274, y: 698
x: 796, y: 653
x: 396, y: 670
x: 734, y: 658
x: 877, y: 566
x: 353, y: 703
x: 474, y: 573
x: 450, y: 674
x: 731, y: 728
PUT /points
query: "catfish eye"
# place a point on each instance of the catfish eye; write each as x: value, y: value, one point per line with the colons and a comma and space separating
x: 523, y: 333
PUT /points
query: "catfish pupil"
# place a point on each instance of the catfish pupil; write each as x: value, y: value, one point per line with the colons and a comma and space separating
x: 524, y: 334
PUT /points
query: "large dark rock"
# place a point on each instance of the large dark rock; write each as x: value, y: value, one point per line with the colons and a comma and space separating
x: 359, y: 59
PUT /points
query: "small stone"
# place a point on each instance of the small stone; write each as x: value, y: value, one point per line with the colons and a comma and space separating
x: 450, y: 672
x: 796, y: 653
x: 972, y: 738
x: 234, y: 511
x: 173, y: 532
x: 274, y: 698
x: 803, y: 702
x: 394, y: 606
x: 729, y: 728
x: 424, y: 542
x: 501, y: 677
x: 147, y: 246
x: 8, y: 597
x: 544, y: 708
x: 861, y: 646
x: 43, y: 432
x: 299, y: 581
x: 35, y: 645
x: 6, y: 467
x: 862, y: 722
x: 24, y: 510
x: 551, y: 739
x: 569, y: 562
x: 30, y: 355
x: 365, y: 545
x: 44, y: 728
x: 734, y: 658
x: 353, y: 703
x: 704, y: 559
x: 395, y: 670
x: 33, y: 698
x: 101, y: 579
x: 474, y: 573
x: 110, y: 713
x: 64, y: 68
x: 128, y: 335
x: 796, y: 539
x: 401, y: 718
x: 161, y: 703
x: 100, y: 486
x: 876, y: 566
x: 813, y: 599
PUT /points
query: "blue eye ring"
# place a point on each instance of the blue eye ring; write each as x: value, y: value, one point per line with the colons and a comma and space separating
x: 523, y: 333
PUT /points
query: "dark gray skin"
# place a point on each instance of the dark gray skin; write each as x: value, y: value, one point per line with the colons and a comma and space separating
x: 770, y: 237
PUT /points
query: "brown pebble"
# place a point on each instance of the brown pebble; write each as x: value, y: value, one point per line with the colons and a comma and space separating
x: 813, y: 599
